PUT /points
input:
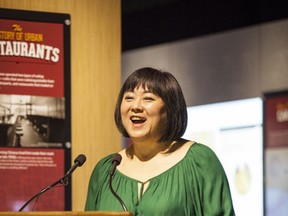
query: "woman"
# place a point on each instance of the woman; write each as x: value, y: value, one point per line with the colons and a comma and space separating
x: 160, y: 173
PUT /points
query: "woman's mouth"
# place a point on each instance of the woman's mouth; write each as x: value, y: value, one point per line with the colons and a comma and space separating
x: 137, y: 119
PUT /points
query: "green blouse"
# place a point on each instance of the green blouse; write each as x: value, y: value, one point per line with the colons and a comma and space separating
x: 196, y: 185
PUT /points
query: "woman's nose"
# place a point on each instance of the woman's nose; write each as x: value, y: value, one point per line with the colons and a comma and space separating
x: 137, y: 106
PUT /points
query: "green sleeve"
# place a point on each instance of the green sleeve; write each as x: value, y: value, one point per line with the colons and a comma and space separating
x: 210, y: 184
x: 97, y: 179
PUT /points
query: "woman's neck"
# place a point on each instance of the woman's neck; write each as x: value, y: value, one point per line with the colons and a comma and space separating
x: 145, y: 151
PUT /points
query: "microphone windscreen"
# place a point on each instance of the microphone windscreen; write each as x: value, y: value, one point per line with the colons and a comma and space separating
x: 80, y: 159
x: 116, y: 158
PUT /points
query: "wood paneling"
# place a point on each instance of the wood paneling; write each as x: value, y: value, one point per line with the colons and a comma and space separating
x: 95, y: 79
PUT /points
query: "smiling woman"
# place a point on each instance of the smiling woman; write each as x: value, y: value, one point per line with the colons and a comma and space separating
x: 164, y: 86
x: 143, y: 115
x: 160, y: 173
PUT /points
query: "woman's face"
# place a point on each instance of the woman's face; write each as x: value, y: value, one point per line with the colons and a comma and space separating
x: 143, y: 114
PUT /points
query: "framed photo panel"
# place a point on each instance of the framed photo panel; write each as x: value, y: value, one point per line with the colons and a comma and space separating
x: 35, y: 121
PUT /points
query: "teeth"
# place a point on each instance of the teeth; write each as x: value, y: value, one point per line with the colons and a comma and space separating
x: 137, y: 118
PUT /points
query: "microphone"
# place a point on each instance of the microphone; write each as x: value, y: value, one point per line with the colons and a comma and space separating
x: 116, y: 160
x: 78, y: 162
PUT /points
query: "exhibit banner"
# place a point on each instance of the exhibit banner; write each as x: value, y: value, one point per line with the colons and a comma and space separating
x: 35, y: 130
x: 276, y: 152
x: 276, y: 119
x: 31, y: 58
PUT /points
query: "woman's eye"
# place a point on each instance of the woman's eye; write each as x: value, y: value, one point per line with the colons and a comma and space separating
x: 149, y: 99
x: 128, y: 97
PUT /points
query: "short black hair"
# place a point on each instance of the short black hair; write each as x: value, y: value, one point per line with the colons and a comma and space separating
x: 164, y: 85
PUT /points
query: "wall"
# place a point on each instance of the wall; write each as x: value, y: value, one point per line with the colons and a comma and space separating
x: 230, y: 65
x: 95, y: 67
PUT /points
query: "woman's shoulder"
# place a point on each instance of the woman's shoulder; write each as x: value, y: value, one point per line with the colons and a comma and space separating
x: 203, y: 155
x: 103, y: 164
x: 202, y: 149
x: 106, y: 159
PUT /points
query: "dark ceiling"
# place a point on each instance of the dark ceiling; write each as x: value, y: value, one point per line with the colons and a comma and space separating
x: 150, y: 22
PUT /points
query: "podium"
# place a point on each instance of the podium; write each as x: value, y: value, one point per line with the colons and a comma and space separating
x: 67, y: 213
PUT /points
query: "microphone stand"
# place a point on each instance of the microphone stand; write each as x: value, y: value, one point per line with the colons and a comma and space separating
x: 63, y: 181
x: 79, y: 161
x: 116, y: 195
x: 116, y: 160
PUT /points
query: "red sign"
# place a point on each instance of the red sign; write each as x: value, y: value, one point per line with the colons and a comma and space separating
x: 26, y: 171
x: 34, y: 116
x: 276, y: 121
x: 31, y: 58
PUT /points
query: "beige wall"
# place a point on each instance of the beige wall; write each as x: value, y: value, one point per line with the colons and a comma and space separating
x: 95, y: 78
x: 230, y: 65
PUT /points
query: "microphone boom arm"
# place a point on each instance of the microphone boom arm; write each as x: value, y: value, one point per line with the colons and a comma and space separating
x: 79, y: 161
x: 62, y: 181
x: 116, y: 160
x: 116, y: 195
